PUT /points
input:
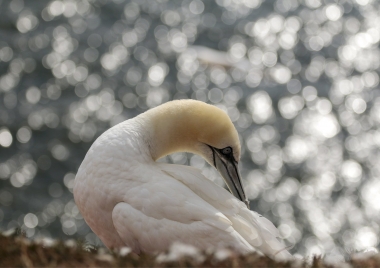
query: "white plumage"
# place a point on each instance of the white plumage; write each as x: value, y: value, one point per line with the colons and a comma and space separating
x: 128, y: 199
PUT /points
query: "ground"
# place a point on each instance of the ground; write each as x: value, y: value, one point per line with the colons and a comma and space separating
x: 17, y: 251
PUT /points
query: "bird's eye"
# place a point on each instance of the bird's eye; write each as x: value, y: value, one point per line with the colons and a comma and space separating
x: 227, y: 150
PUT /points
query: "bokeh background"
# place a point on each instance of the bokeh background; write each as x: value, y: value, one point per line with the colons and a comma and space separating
x: 299, y: 79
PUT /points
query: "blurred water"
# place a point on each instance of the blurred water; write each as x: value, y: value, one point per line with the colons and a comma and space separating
x: 299, y: 79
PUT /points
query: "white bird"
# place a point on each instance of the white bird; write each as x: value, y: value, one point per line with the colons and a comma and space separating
x: 128, y: 199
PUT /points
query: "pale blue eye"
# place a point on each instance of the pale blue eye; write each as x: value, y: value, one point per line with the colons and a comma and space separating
x: 227, y: 150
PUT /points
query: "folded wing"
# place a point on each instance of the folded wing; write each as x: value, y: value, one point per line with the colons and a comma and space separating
x: 258, y: 231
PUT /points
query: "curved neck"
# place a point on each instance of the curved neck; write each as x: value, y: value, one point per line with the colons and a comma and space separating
x: 187, y: 126
x: 170, y: 132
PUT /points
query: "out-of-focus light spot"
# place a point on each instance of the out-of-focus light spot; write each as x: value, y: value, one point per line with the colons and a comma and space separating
x: 238, y: 51
x: 215, y: 95
x: 324, y: 106
x: 218, y: 76
x: 326, y: 126
x: 80, y: 73
x: 60, y: 152
x: 351, y: 171
x: 56, y: 8
x: 133, y: 76
x: 196, y: 7
x: 276, y: 23
x: 309, y: 93
x: 157, y: 74
x: 17, y: 180
x: 130, y: 100
x: 131, y: 11
x: 171, y: 18
x: 327, y: 179
x: 156, y: 96
x: 290, y: 106
x: 178, y: 41
x: 8, y: 81
x: 53, y: 92
x: 287, y: 40
x: 370, y: 193
x: 254, y: 144
x: 363, y: 2
x: 26, y: 22
x: 359, y: 106
x: 296, y: 149
x: 93, y: 81
x: 316, y: 43
x: 16, y: 5
x: 281, y: 74
x: 260, y: 105
x: 255, y: 56
x: 69, y: 227
x: 69, y: 180
x: 344, y: 86
x: 6, y: 54
x: 6, y: 138
x: 274, y: 162
x: 268, y: 134
x: 244, y: 121
x: 51, y: 119
x: 252, y: 3
x: 370, y: 79
x: 113, y: 60
x: 352, y: 144
x: 285, y: 230
x: 232, y: 96
x: 313, y: 3
x: 107, y: 97
x: 294, y: 86
x: 70, y: 9
x: 109, y: 61
x: 261, y: 28
x: 269, y: 59
x: 333, y: 12
x: 306, y: 192
x: 130, y: 38
x: 363, y: 40
x: 31, y: 220
x: 348, y: 52
x: 233, y: 113
x: 366, y: 238
x: 24, y: 134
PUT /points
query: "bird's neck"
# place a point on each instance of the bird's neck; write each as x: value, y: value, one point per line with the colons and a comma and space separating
x: 169, y: 132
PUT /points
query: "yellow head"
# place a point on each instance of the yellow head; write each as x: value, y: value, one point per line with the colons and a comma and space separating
x: 191, y: 126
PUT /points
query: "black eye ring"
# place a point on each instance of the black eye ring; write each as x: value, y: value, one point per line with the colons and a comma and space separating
x: 227, y: 151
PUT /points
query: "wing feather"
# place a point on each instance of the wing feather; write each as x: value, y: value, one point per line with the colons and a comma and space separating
x: 254, y: 228
x: 154, y: 222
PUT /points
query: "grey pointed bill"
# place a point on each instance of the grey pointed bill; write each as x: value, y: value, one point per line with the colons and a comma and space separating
x: 228, y: 168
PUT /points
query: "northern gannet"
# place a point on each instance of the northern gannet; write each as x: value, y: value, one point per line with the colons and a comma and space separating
x: 129, y: 199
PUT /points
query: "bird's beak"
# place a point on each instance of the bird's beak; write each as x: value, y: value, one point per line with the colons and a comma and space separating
x: 228, y: 168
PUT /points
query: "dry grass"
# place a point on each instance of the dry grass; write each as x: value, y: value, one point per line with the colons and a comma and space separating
x: 17, y: 251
